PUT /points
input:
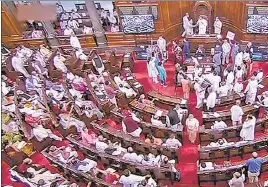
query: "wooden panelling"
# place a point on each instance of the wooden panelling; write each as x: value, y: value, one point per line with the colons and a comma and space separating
x: 13, y: 42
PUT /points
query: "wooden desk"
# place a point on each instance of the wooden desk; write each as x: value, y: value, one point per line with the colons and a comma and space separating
x: 231, y: 132
x: 132, y: 81
x: 148, y: 128
x: 229, y: 100
x: 225, y: 172
x: 85, y: 40
x: 137, y: 144
x: 118, y: 160
x: 225, y: 115
x: 128, y: 61
x: 167, y: 100
x: 147, y: 111
x: 236, y: 149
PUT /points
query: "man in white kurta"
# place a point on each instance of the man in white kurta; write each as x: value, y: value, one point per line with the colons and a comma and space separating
x: 73, y: 24
x: 226, y: 49
x: 223, y: 90
x: 129, y: 180
x: 185, y: 21
x: 80, y: 54
x: 58, y: 63
x: 239, y: 59
x: 251, y: 91
x: 236, y: 113
x: 219, y: 125
x: 211, y: 99
x: 162, y: 44
x: 74, y: 41
x: 217, y: 26
x: 216, y: 81
x: 248, y: 129
x: 68, y: 31
x: 230, y: 79
x: 200, y: 94
x: 88, y: 30
x: 202, y: 26
x: 18, y: 65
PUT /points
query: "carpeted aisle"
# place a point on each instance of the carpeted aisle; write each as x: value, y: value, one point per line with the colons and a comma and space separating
x: 188, y: 152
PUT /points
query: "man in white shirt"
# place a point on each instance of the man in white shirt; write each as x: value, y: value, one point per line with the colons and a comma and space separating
x: 236, y: 113
x: 217, y: 26
x: 100, y: 144
x: 263, y: 99
x: 211, y: 99
x: 230, y: 79
x: 162, y: 44
x: 172, y: 142
x: 156, y: 122
x: 239, y: 59
x: 80, y: 55
x: 215, y: 81
x: 74, y: 41
x: 226, y: 48
x: 259, y: 76
x: 131, y: 180
x: 73, y: 24
x: 75, y: 15
x: 132, y: 156
x: 248, y: 129
x: 186, y: 24
x: 59, y: 62
x: 219, y: 125
x: 88, y: 30
x: 223, y: 90
x: 18, y: 65
x: 251, y: 90
x: 114, y: 28
x: 68, y: 31
x: 200, y: 93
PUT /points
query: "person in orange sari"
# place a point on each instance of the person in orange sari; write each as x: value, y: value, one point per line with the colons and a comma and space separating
x: 152, y: 140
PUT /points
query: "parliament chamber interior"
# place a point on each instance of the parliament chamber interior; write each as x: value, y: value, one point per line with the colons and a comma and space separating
x: 134, y: 93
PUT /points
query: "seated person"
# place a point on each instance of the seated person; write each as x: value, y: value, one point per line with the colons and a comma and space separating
x: 42, y: 177
x: 157, y: 122
x: 17, y: 63
x: 119, y: 80
x: 26, y: 51
x: 127, y: 90
x: 152, y: 140
x: 128, y: 179
x: 63, y: 154
x: 206, y: 166
x: 200, y: 51
x: 46, y: 53
x: 219, y: 125
x: 80, y: 54
x: 86, y: 165
x: 109, y: 148
x: 89, y: 108
x: 33, y: 83
x: 130, y: 124
x: 41, y: 133
x: 132, y: 156
x: 263, y: 100
x: 88, y: 30
x: 114, y: 28
x: 145, y: 101
x: 68, y: 31
x: 67, y: 121
x: 223, y: 90
x: 220, y: 142
x: 98, y: 64
x: 172, y: 142
x: 37, y: 34
x: 147, y: 161
x: 58, y: 62
x: 88, y: 138
x: 100, y: 94
x: 39, y: 64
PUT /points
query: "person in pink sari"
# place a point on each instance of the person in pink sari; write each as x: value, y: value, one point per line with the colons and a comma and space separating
x: 88, y: 137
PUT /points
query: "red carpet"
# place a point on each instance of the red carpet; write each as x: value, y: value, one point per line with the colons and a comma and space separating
x: 189, y: 152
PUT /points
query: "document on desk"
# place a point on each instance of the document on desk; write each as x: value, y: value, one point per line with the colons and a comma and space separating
x: 183, y: 101
x: 129, y: 78
x: 137, y: 86
x: 241, y: 94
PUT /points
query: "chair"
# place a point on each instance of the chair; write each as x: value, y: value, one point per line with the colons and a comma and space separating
x: 219, y: 154
x: 217, y: 136
x: 234, y: 152
x: 248, y: 149
x: 204, y: 137
x: 220, y: 177
x: 204, y: 156
x: 139, y: 148
x: 206, y: 177
x: 232, y: 134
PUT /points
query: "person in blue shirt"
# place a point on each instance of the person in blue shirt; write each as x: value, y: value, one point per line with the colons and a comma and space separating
x: 254, y: 165
x: 162, y: 74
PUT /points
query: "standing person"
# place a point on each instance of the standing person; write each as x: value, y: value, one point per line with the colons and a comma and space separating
x: 223, y: 90
x: 217, y: 26
x: 211, y: 99
x: 236, y: 113
x: 263, y: 99
x: 74, y: 41
x: 162, y: 45
x: 58, y: 62
x: 217, y: 61
x: 248, y: 128
x: 230, y: 79
x: 226, y: 47
x: 238, y: 179
x: 251, y: 91
x: 215, y: 81
x: 185, y: 83
x: 153, y: 72
x: 130, y: 124
x: 200, y: 94
x: 186, y: 48
x: 235, y: 50
x: 185, y: 21
x: 176, y: 49
x: 254, y: 167
x: 174, y: 116
x: 192, y: 125
x: 162, y: 74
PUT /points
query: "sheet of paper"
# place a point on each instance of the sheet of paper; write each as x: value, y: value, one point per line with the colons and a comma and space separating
x: 183, y: 101
x: 216, y: 114
x: 260, y: 86
x: 84, y: 15
x: 129, y: 78
x: 81, y: 7
x: 137, y: 86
